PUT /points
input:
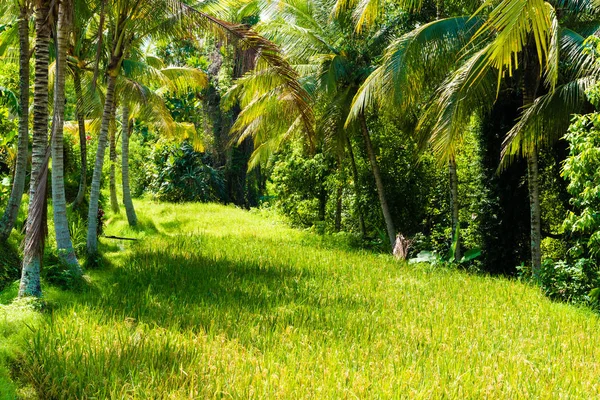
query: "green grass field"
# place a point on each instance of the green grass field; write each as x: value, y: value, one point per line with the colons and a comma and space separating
x: 215, y: 302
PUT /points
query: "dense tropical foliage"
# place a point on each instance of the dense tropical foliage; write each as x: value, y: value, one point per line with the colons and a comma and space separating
x: 459, y: 134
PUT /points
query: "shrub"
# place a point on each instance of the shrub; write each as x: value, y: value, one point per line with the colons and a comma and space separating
x: 10, y: 264
x: 180, y: 174
x: 569, y: 281
x: 574, y: 278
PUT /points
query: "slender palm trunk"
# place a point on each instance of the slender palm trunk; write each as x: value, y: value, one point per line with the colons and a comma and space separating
x: 40, y: 95
x: 389, y: 224
x: 34, y: 249
x: 338, y: 209
x: 322, y: 201
x: 112, y: 131
x: 455, y: 207
x: 338, y: 197
x: 82, y: 139
x: 530, y: 84
x: 14, y: 202
x: 92, y: 238
x: 64, y: 245
x: 361, y: 219
x: 535, y: 212
x: 129, y: 210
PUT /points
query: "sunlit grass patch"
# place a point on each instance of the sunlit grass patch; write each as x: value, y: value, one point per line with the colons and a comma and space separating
x: 218, y: 302
x: 17, y: 322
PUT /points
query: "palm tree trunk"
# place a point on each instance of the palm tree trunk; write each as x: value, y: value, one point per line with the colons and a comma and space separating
x: 530, y: 84
x: 82, y: 138
x: 129, y: 210
x: 389, y: 223
x: 14, y: 202
x: 322, y: 201
x: 361, y: 219
x: 33, y: 252
x: 455, y: 207
x: 338, y: 196
x: 40, y: 95
x: 66, y: 253
x: 114, y: 202
x: 338, y: 209
x: 92, y: 238
x: 535, y: 212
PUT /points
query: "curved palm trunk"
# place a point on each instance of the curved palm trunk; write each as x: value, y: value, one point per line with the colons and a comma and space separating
x: 14, y: 202
x: 129, y: 210
x: 92, y: 238
x: 389, y: 224
x: 64, y: 245
x: 361, y: 219
x: 82, y: 139
x: 535, y: 212
x: 114, y: 202
x: 455, y: 207
x: 36, y: 221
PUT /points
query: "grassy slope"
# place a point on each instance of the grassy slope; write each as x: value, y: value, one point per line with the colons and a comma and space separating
x: 218, y: 302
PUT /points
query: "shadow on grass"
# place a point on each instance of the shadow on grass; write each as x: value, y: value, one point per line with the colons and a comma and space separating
x: 10, y: 264
x: 146, y: 225
x: 173, y: 287
x: 171, y: 225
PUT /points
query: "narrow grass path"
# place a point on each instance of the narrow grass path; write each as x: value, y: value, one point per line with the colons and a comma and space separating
x: 215, y: 302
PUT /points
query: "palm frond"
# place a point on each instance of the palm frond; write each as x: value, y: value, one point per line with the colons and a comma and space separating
x: 509, y: 27
x: 546, y: 120
x: 465, y: 92
x: 9, y: 41
x: 184, y: 79
x: 577, y: 62
x: 10, y: 99
x: 269, y: 57
x: 366, y: 12
x: 415, y: 64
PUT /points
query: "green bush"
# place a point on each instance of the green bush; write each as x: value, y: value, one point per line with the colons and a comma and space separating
x: 179, y: 174
x: 299, y: 186
x: 569, y: 281
x: 10, y: 264
x: 574, y: 278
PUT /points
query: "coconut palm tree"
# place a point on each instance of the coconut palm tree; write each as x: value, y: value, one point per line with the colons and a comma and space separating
x: 14, y: 202
x: 125, y: 133
x: 36, y: 222
x: 535, y: 42
x: 132, y: 22
x: 414, y: 65
x: 66, y: 253
x: 80, y: 56
x: 112, y: 145
x: 333, y: 63
x: 143, y: 85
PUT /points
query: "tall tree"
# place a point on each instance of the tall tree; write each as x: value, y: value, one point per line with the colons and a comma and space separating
x: 80, y: 57
x: 140, y: 75
x: 14, y: 202
x: 64, y: 245
x: 36, y: 222
x: 523, y: 40
x: 112, y: 140
x: 132, y: 22
x: 125, y: 133
x: 79, y: 111
x: 334, y: 68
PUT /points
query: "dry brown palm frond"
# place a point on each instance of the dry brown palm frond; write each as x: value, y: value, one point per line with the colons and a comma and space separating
x: 267, y: 53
